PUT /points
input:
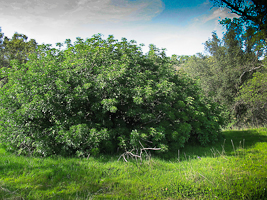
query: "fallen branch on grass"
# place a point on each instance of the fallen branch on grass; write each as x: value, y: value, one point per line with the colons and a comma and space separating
x: 136, y: 156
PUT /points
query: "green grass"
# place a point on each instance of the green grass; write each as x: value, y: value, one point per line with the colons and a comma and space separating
x: 234, y: 168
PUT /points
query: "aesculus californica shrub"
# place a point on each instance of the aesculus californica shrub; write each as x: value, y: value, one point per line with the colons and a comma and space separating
x: 101, y: 95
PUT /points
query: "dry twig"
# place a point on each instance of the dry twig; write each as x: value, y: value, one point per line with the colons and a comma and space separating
x: 136, y: 156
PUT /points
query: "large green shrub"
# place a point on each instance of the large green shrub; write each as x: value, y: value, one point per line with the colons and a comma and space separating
x: 100, y: 96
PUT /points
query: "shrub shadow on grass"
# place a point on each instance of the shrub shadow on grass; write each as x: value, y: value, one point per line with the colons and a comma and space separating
x: 61, y: 178
x: 7, y: 165
x: 49, y: 178
x: 231, y: 140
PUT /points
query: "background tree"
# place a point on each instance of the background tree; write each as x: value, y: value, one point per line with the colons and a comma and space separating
x: 17, y: 48
x: 253, y: 95
x: 231, y: 62
x: 253, y: 25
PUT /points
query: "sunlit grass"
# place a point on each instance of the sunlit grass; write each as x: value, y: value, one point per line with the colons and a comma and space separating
x: 233, y: 168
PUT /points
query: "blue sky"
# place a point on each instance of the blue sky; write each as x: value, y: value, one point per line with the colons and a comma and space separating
x: 180, y: 26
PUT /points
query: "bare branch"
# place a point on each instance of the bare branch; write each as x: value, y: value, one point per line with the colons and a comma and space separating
x: 235, y: 9
x: 129, y: 153
x: 255, y: 68
x: 155, y: 149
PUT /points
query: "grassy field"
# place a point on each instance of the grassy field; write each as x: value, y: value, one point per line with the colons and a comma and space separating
x: 234, y: 168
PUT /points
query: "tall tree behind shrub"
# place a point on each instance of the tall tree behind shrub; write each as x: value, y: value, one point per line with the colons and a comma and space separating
x: 100, y: 95
x: 253, y: 95
x: 17, y: 48
x: 231, y: 62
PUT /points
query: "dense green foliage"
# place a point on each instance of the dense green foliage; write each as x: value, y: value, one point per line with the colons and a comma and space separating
x: 100, y: 95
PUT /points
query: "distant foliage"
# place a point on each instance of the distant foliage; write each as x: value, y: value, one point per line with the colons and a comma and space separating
x: 100, y: 96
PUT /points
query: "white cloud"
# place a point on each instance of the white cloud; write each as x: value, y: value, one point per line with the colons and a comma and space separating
x: 85, y: 11
x: 211, y: 21
x: 207, y: 2
x: 219, y: 14
x: 52, y: 21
